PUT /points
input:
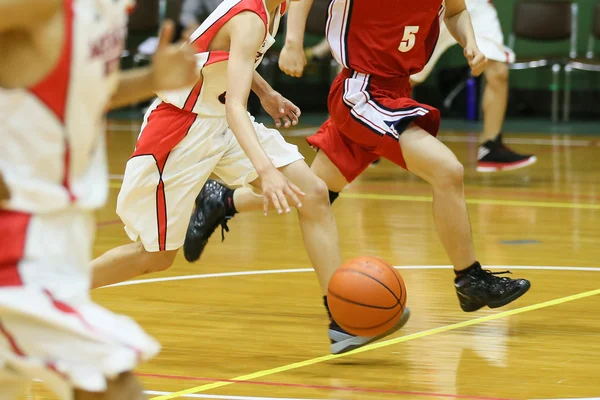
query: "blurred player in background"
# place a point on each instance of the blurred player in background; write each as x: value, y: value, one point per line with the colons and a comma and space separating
x: 372, y: 116
x: 59, y: 73
x: 492, y: 155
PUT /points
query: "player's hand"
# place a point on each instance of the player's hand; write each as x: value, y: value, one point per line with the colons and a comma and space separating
x: 4, y: 192
x: 281, y: 109
x: 292, y: 60
x: 173, y: 65
x: 477, y: 61
x: 277, y: 189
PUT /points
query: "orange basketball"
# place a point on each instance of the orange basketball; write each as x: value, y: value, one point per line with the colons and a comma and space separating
x: 366, y: 296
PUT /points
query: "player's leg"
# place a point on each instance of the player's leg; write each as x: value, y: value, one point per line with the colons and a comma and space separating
x: 216, y: 203
x: 431, y: 160
x: 495, y: 99
x: 319, y: 230
x: 401, y: 130
x: 161, y: 181
x: 493, y: 155
x: 127, y: 262
x: 316, y: 217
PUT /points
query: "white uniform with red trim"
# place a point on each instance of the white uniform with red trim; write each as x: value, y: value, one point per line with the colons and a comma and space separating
x: 53, y: 160
x: 488, y: 34
x: 185, y: 138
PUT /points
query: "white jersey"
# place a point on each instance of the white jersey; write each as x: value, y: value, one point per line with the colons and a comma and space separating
x: 207, y: 97
x: 53, y: 143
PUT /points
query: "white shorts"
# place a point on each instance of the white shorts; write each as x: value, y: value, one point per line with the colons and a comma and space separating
x: 49, y: 327
x: 488, y: 34
x: 175, y: 154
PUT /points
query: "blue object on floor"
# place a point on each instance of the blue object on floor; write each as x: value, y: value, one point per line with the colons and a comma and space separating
x: 524, y: 241
x: 472, y: 98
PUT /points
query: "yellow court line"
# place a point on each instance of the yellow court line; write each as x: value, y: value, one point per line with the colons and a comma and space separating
x: 518, y: 203
x: 379, y: 345
x: 427, y: 199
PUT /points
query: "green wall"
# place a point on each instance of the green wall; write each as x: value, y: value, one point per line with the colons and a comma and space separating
x: 537, y: 79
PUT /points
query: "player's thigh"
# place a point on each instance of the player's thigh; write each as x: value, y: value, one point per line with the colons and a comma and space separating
x: 236, y: 169
x: 304, y: 177
x: 445, y: 41
x: 341, y: 159
x: 155, y: 202
x: 426, y: 156
x: 325, y: 169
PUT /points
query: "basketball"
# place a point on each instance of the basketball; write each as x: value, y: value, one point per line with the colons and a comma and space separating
x: 366, y: 296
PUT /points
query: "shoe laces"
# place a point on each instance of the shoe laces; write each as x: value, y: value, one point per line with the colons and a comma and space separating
x: 224, y: 227
x: 491, y: 276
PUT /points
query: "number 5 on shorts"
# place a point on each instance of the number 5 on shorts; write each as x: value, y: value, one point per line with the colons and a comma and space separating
x: 409, y: 38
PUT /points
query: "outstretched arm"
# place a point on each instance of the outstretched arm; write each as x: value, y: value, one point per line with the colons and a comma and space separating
x: 173, y: 67
x: 458, y: 22
x: 246, y: 32
x: 292, y: 59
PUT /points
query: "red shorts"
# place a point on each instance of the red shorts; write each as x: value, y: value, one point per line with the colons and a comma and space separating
x: 368, y: 114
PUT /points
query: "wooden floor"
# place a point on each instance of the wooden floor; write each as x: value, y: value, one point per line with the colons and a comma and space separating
x: 235, y: 325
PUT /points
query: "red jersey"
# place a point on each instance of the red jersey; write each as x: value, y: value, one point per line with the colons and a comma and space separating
x: 391, y: 38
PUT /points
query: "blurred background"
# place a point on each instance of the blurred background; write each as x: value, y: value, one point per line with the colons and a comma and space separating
x: 554, y: 81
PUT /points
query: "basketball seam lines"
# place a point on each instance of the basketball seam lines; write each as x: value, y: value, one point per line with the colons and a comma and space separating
x: 360, y: 304
x: 400, y: 286
x: 375, y: 279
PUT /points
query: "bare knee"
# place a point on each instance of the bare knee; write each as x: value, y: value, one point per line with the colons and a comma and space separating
x: 125, y: 387
x: 316, y: 198
x: 496, y: 73
x: 449, y: 175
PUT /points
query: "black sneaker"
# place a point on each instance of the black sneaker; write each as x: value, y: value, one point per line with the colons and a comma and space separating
x: 494, y: 156
x: 479, y: 288
x: 210, y: 212
x: 342, y: 341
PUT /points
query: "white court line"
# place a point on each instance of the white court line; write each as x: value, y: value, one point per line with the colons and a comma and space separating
x: 216, y: 396
x: 298, y: 270
x: 565, y: 142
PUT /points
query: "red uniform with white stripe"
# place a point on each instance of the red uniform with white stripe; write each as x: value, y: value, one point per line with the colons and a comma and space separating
x: 53, y: 160
x: 185, y: 137
x: 369, y: 102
